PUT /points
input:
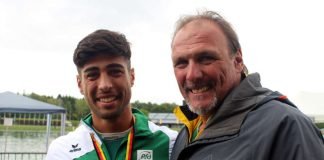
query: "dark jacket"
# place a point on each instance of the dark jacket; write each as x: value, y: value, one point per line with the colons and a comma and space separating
x: 253, y: 123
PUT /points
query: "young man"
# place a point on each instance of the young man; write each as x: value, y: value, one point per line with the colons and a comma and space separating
x: 229, y: 115
x: 113, y: 130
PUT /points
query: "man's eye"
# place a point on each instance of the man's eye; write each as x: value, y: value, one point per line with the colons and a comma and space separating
x: 115, y: 72
x: 180, y: 64
x: 92, y: 75
x: 206, y: 59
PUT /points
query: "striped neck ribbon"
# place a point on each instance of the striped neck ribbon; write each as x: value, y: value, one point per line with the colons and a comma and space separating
x: 129, y: 149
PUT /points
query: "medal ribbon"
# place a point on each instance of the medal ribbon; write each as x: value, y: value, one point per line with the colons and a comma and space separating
x: 129, y: 149
x: 97, y: 147
x: 130, y: 141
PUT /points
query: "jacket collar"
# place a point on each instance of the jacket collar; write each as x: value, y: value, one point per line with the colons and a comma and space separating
x: 141, y: 123
x: 230, y: 115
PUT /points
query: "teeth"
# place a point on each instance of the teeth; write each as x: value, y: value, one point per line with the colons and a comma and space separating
x: 107, y: 100
x: 203, y: 89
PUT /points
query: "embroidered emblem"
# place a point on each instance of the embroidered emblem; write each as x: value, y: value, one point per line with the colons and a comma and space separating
x: 144, y: 155
x: 75, y: 148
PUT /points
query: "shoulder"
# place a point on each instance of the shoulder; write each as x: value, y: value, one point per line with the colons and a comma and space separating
x: 278, y: 117
x: 278, y: 111
x: 147, y: 125
x: 72, y: 145
x: 166, y: 130
x: 292, y: 131
x: 162, y: 133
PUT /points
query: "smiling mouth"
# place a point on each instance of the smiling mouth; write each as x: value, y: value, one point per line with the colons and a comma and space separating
x: 199, y: 90
x: 107, y: 100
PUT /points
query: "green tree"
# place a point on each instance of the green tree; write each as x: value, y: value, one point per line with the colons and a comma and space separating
x: 78, y: 108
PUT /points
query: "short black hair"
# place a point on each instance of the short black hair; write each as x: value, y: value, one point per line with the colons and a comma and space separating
x: 101, y: 42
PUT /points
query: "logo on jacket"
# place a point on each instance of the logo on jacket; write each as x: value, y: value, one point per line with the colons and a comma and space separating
x: 75, y: 148
x: 144, y: 155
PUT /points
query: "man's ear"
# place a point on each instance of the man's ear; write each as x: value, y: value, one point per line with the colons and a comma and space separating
x: 238, y: 61
x: 79, y: 81
x: 132, y: 76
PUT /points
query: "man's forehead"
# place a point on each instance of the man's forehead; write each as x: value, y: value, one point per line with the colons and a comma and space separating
x: 106, y: 61
x: 196, y: 29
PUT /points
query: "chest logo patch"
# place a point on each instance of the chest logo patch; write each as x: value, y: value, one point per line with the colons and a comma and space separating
x: 144, y: 155
x: 75, y: 148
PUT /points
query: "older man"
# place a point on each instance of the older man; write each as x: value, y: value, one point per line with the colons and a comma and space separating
x: 229, y: 115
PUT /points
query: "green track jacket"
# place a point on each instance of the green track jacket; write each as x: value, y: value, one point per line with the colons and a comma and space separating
x: 151, y: 142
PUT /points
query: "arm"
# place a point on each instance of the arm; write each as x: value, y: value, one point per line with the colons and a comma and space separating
x: 297, y: 138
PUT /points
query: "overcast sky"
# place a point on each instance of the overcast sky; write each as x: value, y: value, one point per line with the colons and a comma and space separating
x: 282, y: 40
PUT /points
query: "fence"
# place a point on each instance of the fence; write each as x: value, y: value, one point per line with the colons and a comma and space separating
x: 22, y: 156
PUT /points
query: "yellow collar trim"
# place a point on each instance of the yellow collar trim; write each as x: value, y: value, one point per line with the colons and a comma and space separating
x: 191, y: 125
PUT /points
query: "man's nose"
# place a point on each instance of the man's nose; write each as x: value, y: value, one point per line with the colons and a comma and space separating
x: 194, y: 72
x: 105, y: 83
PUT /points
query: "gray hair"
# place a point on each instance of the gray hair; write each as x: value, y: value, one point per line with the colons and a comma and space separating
x: 232, y: 38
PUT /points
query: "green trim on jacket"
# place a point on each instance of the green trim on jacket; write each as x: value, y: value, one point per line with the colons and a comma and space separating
x: 149, y: 141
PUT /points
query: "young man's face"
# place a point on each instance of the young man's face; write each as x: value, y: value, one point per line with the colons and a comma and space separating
x: 105, y: 82
x: 203, y: 65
